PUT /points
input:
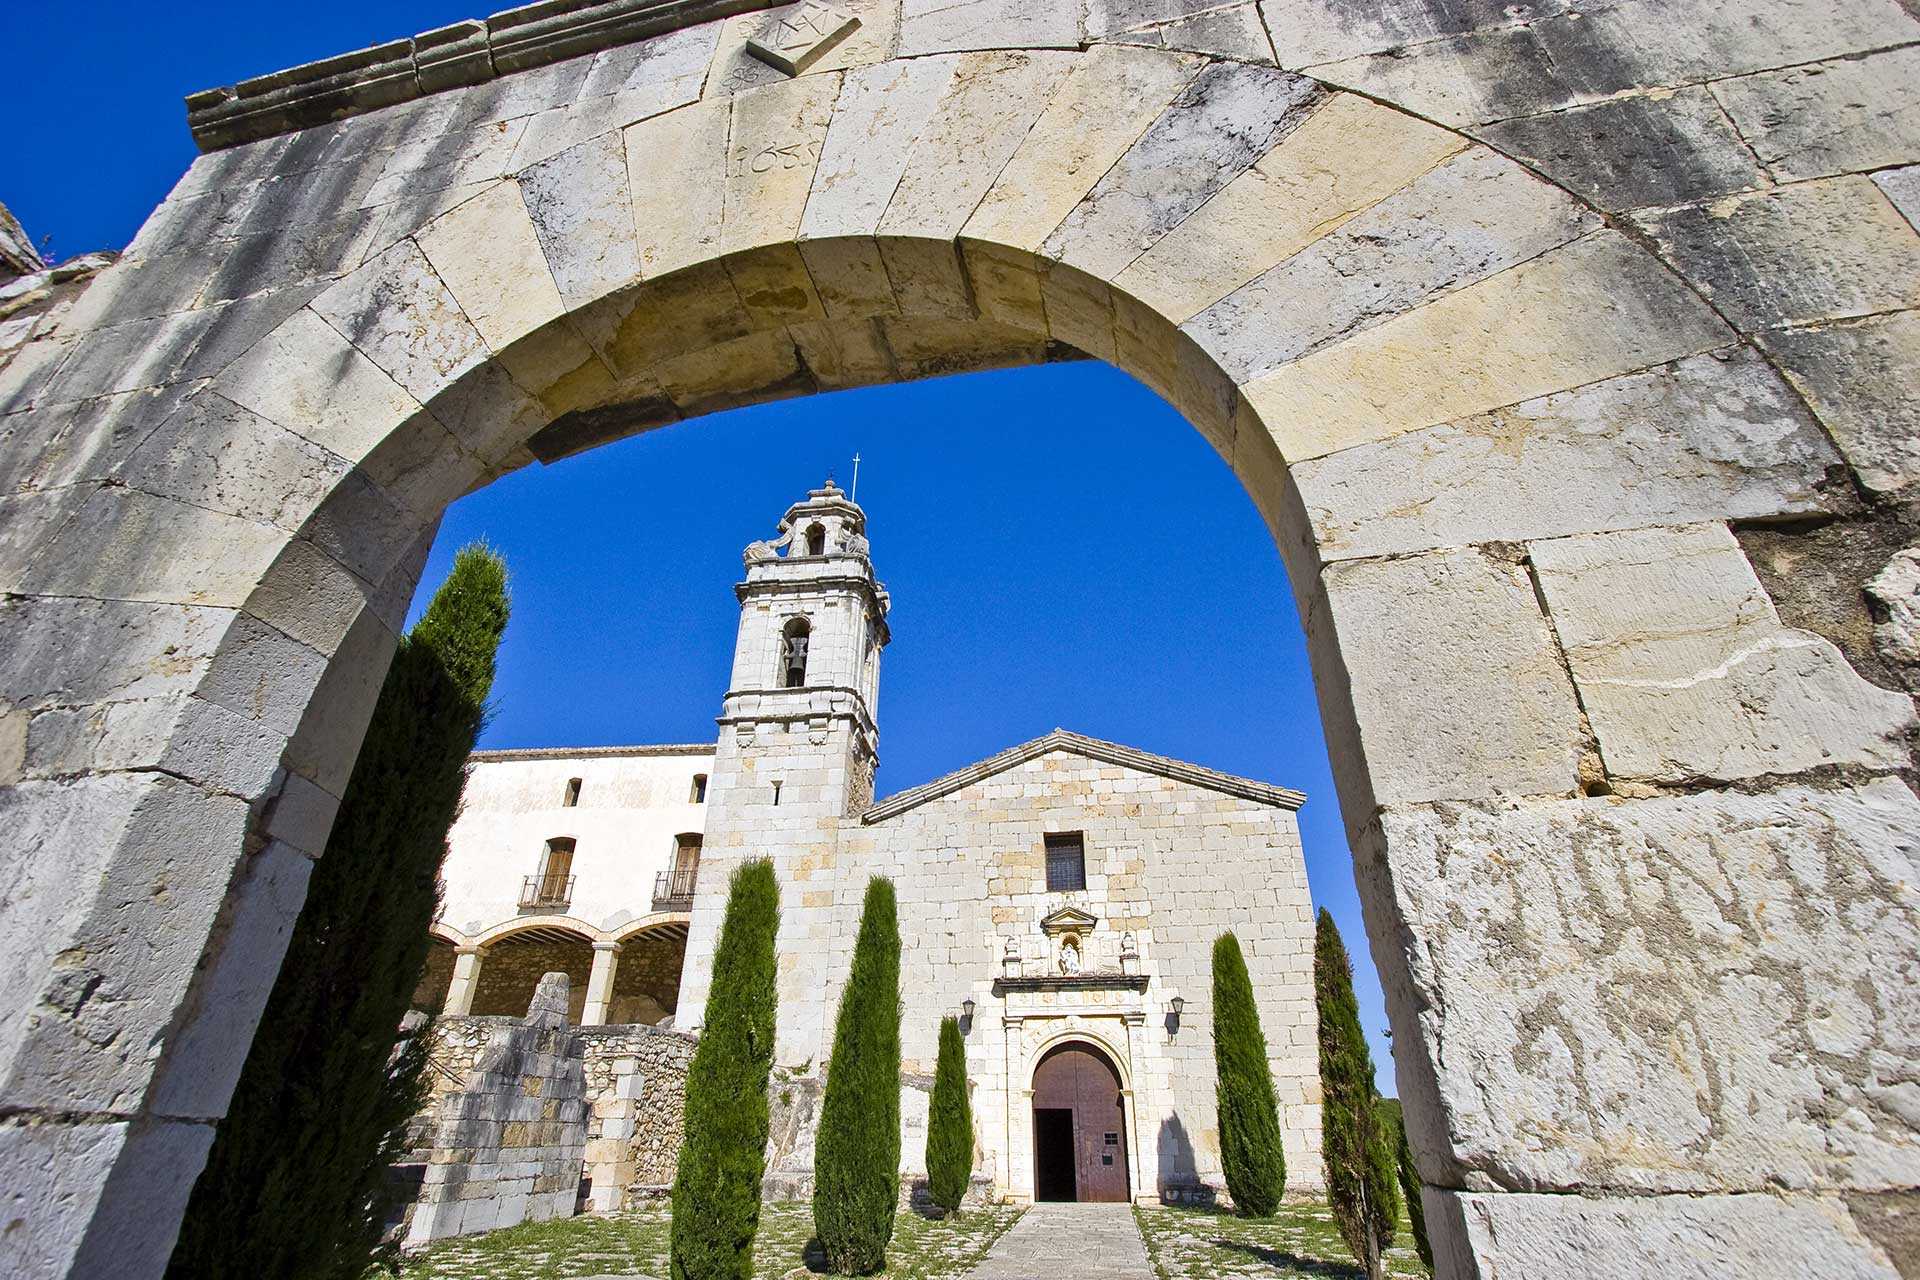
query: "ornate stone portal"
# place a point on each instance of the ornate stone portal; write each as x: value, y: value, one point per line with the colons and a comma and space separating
x: 1517, y: 402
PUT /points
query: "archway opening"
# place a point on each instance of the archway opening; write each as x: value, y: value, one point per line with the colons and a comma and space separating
x: 1079, y: 1127
x: 646, y: 985
x: 516, y: 963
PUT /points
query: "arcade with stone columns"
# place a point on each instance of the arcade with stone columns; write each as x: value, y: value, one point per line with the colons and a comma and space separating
x: 1568, y: 350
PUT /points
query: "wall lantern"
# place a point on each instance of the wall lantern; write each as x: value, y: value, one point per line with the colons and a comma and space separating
x: 966, y: 1016
x: 1175, y: 1007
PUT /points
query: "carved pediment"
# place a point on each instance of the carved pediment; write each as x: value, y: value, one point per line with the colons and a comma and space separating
x: 1067, y: 920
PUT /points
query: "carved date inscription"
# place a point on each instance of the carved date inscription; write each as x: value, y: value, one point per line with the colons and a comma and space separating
x: 798, y: 39
x: 794, y: 155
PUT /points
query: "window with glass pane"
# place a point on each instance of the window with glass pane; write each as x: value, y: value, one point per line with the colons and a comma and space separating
x: 1066, y: 862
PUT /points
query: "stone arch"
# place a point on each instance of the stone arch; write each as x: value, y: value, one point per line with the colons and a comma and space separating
x: 1532, y: 430
x: 519, y: 953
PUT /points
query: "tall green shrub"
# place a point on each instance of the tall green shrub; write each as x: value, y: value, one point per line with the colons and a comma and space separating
x: 1410, y: 1188
x: 716, y: 1190
x: 856, y: 1161
x: 1359, y: 1156
x: 1250, y: 1149
x: 295, y: 1185
x: 949, y: 1122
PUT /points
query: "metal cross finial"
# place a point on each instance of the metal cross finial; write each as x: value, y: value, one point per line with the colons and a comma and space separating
x: 854, y: 495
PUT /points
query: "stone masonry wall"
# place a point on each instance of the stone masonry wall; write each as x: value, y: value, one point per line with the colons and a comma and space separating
x: 511, y: 969
x: 506, y: 1147
x: 635, y: 1090
x: 1168, y: 862
x: 637, y: 1102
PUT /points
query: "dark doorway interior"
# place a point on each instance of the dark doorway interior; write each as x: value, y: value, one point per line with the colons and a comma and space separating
x: 1053, y: 1154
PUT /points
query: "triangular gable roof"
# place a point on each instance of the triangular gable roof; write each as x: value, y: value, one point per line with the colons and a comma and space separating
x: 1092, y: 749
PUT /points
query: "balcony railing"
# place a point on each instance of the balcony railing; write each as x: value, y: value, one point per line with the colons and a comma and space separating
x: 673, y: 890
x: 546, y: 891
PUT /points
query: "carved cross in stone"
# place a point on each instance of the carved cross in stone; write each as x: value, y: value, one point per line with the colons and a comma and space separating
x: 801, y: 38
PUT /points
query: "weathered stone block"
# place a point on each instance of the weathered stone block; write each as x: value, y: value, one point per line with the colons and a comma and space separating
x: 1863, y: 379
x: 987, y: 111
x: 940, y: 26
x: 308, y: 378
x: 396, y: 311
x: 1106, y: 102
x: 1488, y: 67
x: 1504, y: 723
x: 1235, y: 32
x: 1708, y: 437
x: 1686, y: 671
x: 675, y: 162
x: 1741, y: 1031
x: 1473, y: 216
x: 582, y: 216
x: 1760, y: 1236
x: 1299, y: 191
x: 880, y: 114
x: 94, y: 994
x: 773, y: 149
x: 1590, y: 310
x: 1629, y: 153
x: 1831, y: 117
x: 1227, y: 117
x: 488, y: 254
x: 1811, y: 251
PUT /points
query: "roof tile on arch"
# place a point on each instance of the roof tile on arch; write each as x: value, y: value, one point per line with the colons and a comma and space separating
x: 1093, y: 749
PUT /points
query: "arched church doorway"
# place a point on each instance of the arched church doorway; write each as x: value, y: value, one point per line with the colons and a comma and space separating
x: 1079, y: 1127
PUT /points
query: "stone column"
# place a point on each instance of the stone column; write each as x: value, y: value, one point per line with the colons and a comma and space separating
x: 606, y: 962
x: 466, y: 980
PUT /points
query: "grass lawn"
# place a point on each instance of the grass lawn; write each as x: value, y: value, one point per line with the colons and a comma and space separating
x: 1300, y: 1240
x: 635, y: 1244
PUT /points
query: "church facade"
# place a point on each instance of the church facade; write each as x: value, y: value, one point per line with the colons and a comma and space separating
x: 1061, y: 897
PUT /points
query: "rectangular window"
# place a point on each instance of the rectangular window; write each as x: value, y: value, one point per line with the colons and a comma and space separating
x: 1066, y: 862
x: 699, y: 788
x: 572, y: 797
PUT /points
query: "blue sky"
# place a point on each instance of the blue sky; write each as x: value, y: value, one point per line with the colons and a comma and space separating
x: 1062, y: 548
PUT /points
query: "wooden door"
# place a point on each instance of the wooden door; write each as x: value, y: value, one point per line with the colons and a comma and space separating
x: 1079, y: 1079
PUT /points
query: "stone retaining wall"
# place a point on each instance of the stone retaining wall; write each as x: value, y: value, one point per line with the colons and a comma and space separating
x: 506, y: 1148
x: 634, y: 1086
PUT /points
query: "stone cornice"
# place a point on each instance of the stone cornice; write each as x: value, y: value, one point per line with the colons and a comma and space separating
x: 1092, y: 749
x: 593, y: 753
x: 464, y: 53
x: 1072, y: 982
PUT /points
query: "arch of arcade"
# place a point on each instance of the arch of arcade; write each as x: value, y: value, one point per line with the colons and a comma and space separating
x: 1568, y: 351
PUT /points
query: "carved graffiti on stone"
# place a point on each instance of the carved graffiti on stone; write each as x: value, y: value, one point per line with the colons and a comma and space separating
x: 801, y: 38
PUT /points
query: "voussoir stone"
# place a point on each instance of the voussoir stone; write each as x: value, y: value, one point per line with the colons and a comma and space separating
x: 1504, y: 722
x: 1686, y: 671
x: 1723, y: 436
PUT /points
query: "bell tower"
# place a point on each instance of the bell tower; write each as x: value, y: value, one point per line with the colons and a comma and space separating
x: 798, y: 744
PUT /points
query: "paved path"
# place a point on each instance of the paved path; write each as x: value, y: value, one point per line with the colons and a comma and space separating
x: 1069, y: 1242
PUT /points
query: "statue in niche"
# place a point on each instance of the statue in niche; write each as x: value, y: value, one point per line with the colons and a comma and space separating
x: 1070, y: 957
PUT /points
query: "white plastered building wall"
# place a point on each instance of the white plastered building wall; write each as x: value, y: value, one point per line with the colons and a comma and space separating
x: 633, y: 802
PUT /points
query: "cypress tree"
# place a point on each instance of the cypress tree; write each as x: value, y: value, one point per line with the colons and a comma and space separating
x: 1359, y: 1156
x: 856, y: 1156
x: 1250, y: 1148
x: 949, y: 1122
x: 295, y: 1184
x: 1410, y: 1188
x: 716, y: 1189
